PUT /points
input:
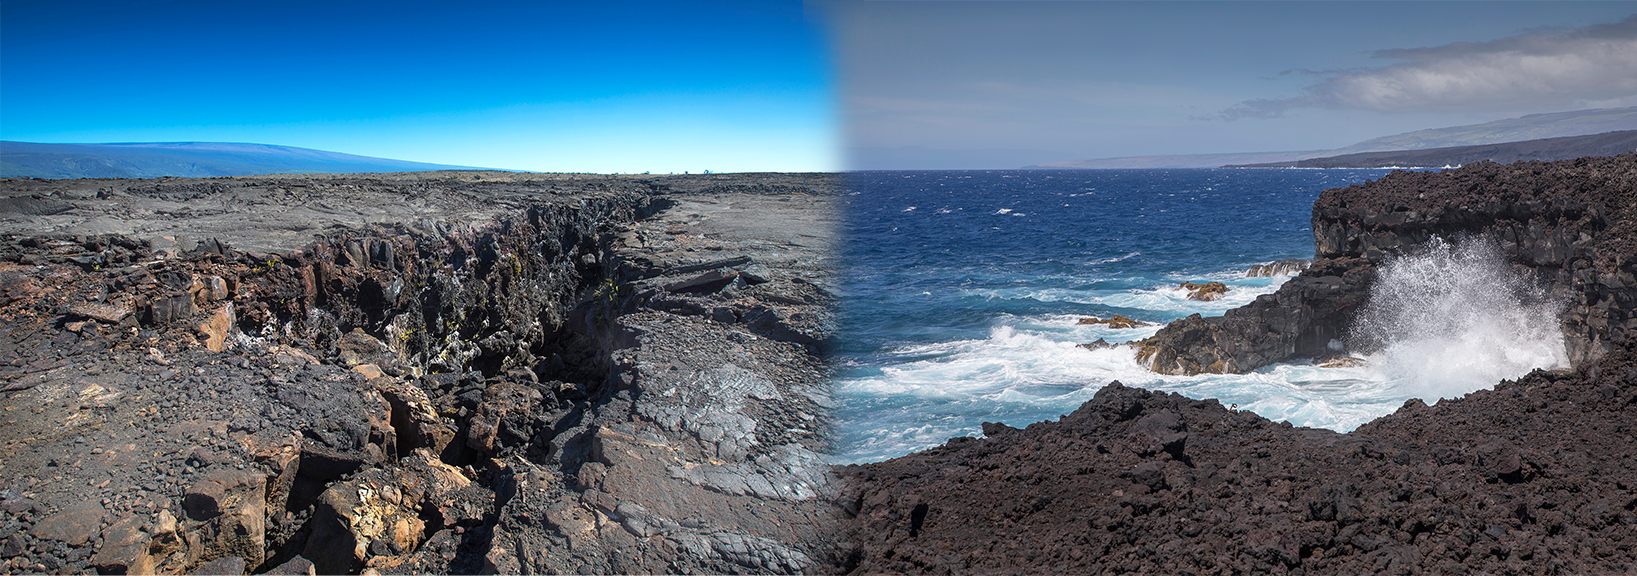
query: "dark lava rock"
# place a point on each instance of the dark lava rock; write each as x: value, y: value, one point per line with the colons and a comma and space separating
x: 1572, y: 224
x: 1535, y: 476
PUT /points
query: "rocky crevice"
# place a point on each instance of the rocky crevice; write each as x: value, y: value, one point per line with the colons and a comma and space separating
x: 439, y: 398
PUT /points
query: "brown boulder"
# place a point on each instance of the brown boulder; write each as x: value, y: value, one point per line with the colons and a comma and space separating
x: 124, y: 549
x: 1207, y: 292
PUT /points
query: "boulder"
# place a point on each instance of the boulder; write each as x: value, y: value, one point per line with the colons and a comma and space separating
x: 506, y: 417
x: 378, y: 513
x: 226, y: 515
x: 1206, y: 292
x: 124, y: 548
x: 357, y: 347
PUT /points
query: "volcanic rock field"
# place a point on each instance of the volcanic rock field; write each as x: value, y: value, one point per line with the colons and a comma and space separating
x: 465, y: 372
x: 483, y: 372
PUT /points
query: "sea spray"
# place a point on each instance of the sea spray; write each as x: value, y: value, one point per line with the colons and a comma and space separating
x: 1451, y: 318
x: 957, y: 314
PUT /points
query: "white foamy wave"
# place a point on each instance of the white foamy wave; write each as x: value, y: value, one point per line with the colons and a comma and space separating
x: 1338, y: 399
x: 1171, y: 298
x: 1115, y: 259
x: 1452, y: 319
x: 1031, y: 368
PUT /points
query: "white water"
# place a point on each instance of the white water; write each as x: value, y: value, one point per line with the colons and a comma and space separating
x: 1442, y: 322
x: 1451, y: 319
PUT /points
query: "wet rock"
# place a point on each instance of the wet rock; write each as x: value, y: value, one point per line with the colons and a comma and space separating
x: 1098, y: 344
x: 1116, y: 321
x: 1206, y: 292
x: 1566, y: 222
x: 1284, y: 267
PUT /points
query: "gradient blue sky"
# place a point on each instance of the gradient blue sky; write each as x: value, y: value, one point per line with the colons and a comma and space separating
x: 1051, y: 81
x: 546, y: 86
x: 750, y: 86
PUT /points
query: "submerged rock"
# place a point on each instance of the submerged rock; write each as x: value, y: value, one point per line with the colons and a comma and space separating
x: 1116, y: 321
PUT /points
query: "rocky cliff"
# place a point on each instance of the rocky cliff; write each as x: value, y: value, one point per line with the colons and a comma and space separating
x: 460, y: 373
x: 1570, y: 223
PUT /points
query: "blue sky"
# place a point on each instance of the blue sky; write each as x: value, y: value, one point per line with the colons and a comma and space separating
x: 787, y: 86
x: 586, y: 86
x: 1054, y: 81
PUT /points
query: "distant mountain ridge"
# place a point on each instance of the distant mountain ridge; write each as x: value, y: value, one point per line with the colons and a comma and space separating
x: 1531, y: 127
x: 1544, y: 149
x: 187, y: 159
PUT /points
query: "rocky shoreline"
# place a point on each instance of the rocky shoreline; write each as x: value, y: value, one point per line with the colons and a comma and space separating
x: 1536, y: 476
x: 1570, y: 224
x: 465, y: 372
x: 500, y: 373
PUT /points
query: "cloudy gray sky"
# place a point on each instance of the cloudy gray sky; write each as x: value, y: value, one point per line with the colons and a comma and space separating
x: 986, y: 84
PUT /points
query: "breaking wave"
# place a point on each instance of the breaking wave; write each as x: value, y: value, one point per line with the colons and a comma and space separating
x: 1449, y: 319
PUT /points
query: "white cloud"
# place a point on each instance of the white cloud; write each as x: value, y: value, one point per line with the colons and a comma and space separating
x: 1578, y: 68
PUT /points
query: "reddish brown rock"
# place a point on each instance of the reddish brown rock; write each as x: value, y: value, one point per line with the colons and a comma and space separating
x: 1205, y: 292
x: 124, y: 548
x: 218, y: 327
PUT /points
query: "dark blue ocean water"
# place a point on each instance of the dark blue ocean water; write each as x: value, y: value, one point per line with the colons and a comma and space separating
x: 963, y: 289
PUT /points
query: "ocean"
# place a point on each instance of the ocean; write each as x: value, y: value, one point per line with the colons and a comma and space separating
x: 964, y: 289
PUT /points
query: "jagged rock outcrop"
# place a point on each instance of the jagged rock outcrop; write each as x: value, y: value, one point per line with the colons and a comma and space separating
x: 1535, y: 476
x: 1570, y: 223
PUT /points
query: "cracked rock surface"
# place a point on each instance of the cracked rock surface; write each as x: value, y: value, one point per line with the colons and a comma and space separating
x: 416, y: 373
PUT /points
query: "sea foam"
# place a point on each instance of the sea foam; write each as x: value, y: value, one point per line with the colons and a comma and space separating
x: 1452, y: 318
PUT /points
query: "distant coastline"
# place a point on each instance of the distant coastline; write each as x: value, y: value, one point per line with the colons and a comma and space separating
x: 188, y: 159
x: 1544, y: 149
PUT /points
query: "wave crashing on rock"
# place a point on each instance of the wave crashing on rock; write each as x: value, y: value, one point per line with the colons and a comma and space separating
x: 1452, y: 317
